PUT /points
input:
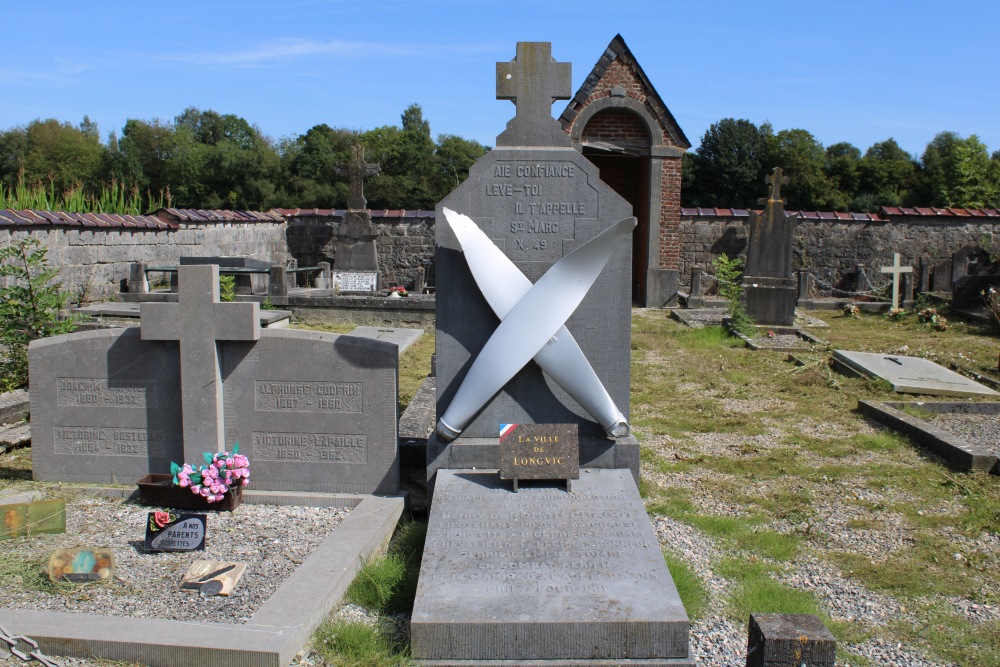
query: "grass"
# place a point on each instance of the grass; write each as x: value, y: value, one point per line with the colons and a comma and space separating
x: 692, y: 591
x: 688, y: 386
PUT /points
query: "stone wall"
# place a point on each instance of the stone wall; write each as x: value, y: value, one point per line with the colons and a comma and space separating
x: 93, y: 261
x: 830, y: 248
x: 405, y: 240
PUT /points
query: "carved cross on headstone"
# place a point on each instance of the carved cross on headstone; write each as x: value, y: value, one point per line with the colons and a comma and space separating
x: 896, y: 270
x: 533, y: 81
x: 197, y: 321
x: 356, y: 170
x: 776, y: 178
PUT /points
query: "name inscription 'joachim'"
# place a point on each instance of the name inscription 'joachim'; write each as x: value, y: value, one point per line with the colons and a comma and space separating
x: 276, y: 396
x: 96, y: 393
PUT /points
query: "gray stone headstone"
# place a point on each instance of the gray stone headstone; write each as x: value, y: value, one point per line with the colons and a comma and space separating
x: 768, y: 286
x: 911, y: 375
x: 105, y: 407
x: 543, y: 574
x: 536, y: 202
x: 314, y: 411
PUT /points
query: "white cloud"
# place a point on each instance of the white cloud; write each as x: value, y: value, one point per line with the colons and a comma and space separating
x: 287, y: 49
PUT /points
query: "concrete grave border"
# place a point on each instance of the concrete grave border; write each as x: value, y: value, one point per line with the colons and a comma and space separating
x: 956, y: 450
x: 273, y: 635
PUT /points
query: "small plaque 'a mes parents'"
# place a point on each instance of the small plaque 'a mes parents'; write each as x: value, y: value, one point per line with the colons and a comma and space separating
x: 539, y: 451
x: 168, y: 531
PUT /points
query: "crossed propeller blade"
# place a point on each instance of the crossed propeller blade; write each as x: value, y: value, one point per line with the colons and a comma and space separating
x: 532, y: 325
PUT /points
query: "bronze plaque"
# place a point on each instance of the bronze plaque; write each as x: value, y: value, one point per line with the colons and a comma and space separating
x: 539, y: 451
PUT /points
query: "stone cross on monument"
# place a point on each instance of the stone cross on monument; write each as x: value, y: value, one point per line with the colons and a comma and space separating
x: 896, y: 270
x: 196, y: 322
x: 776, y: 178
x: 533, y: 81
x: 356, y: 170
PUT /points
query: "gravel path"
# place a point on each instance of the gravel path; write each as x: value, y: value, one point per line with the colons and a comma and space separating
x: 272, y: 540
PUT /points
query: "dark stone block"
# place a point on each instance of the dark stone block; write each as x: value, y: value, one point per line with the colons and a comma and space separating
x: 789, y: 640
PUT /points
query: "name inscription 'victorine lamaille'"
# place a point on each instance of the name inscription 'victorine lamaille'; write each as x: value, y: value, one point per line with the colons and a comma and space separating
x: 310, y: 447
x: 281, y: 396
x: 107, y: 440
x: 100, y: 393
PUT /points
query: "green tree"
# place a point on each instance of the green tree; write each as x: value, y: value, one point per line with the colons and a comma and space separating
x: 29, y: 307
x: 802, y: 158
x: 453, y: 158
x: 841, y: 168
x: 730, y: 164
x: 957, y: 172
x: 886, y: 176
x: 61, y: 154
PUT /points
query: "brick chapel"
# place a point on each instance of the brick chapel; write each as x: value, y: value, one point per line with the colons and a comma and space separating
x: 618, y: 121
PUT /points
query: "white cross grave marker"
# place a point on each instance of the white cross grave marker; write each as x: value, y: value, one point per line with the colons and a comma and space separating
x: 196, y: 322
x: 896, y: 270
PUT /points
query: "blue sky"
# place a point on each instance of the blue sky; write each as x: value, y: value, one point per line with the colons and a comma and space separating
x: 844, y: 70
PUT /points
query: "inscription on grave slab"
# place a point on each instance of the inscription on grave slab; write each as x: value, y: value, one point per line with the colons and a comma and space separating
x: 319, y: 447
x: 96, y: 392
x: 355, y: 281
x: 106, y: 441
x: 314, y: 411
x: 572, y: 575
x: 308, y: 396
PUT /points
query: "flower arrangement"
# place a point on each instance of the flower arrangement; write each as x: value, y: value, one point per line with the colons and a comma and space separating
x: 212, y: 481
x: 895, y: 313
x: 398, y: 290
x: 850, y: 310
x: 930, y: 316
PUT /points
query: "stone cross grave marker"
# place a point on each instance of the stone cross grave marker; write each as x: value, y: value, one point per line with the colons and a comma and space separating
x: 896, y: 269
x: 356, y: 169
x: 533, y: 81
x: 767, y: 283
x: 197, y: 321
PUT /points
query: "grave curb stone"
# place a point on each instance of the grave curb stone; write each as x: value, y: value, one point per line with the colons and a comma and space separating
x: 272, y: 637
x: 954, y: 449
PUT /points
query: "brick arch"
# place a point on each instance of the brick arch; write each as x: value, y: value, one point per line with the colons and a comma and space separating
x: 617, y: 124
x: 633, y: 108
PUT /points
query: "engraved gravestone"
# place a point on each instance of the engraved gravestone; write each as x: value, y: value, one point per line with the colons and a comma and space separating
x: 312, y: 411
x: 546, y: 575
x: 768, y: 286
x: 536, y: 199
x: 355, y: 262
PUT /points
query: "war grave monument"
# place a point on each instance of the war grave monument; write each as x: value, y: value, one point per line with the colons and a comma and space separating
x: 533, y: 328
x: 315, y: 414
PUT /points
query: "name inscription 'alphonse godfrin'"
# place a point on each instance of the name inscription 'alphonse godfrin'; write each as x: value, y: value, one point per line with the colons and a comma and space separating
x: 282, y: 396
x: 539, y: 451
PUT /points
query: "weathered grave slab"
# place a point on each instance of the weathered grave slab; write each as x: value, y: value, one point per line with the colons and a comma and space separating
x: 909, y: 375
x: 314, y: 411
x: 401, y: 338
x: 544, y: 575
x: 105, y: 406
x: 272, y: 636
x: 960, y: 450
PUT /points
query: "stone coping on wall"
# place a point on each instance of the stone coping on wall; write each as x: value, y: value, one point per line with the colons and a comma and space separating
x: 273, y: 634
x: 956, y: 450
